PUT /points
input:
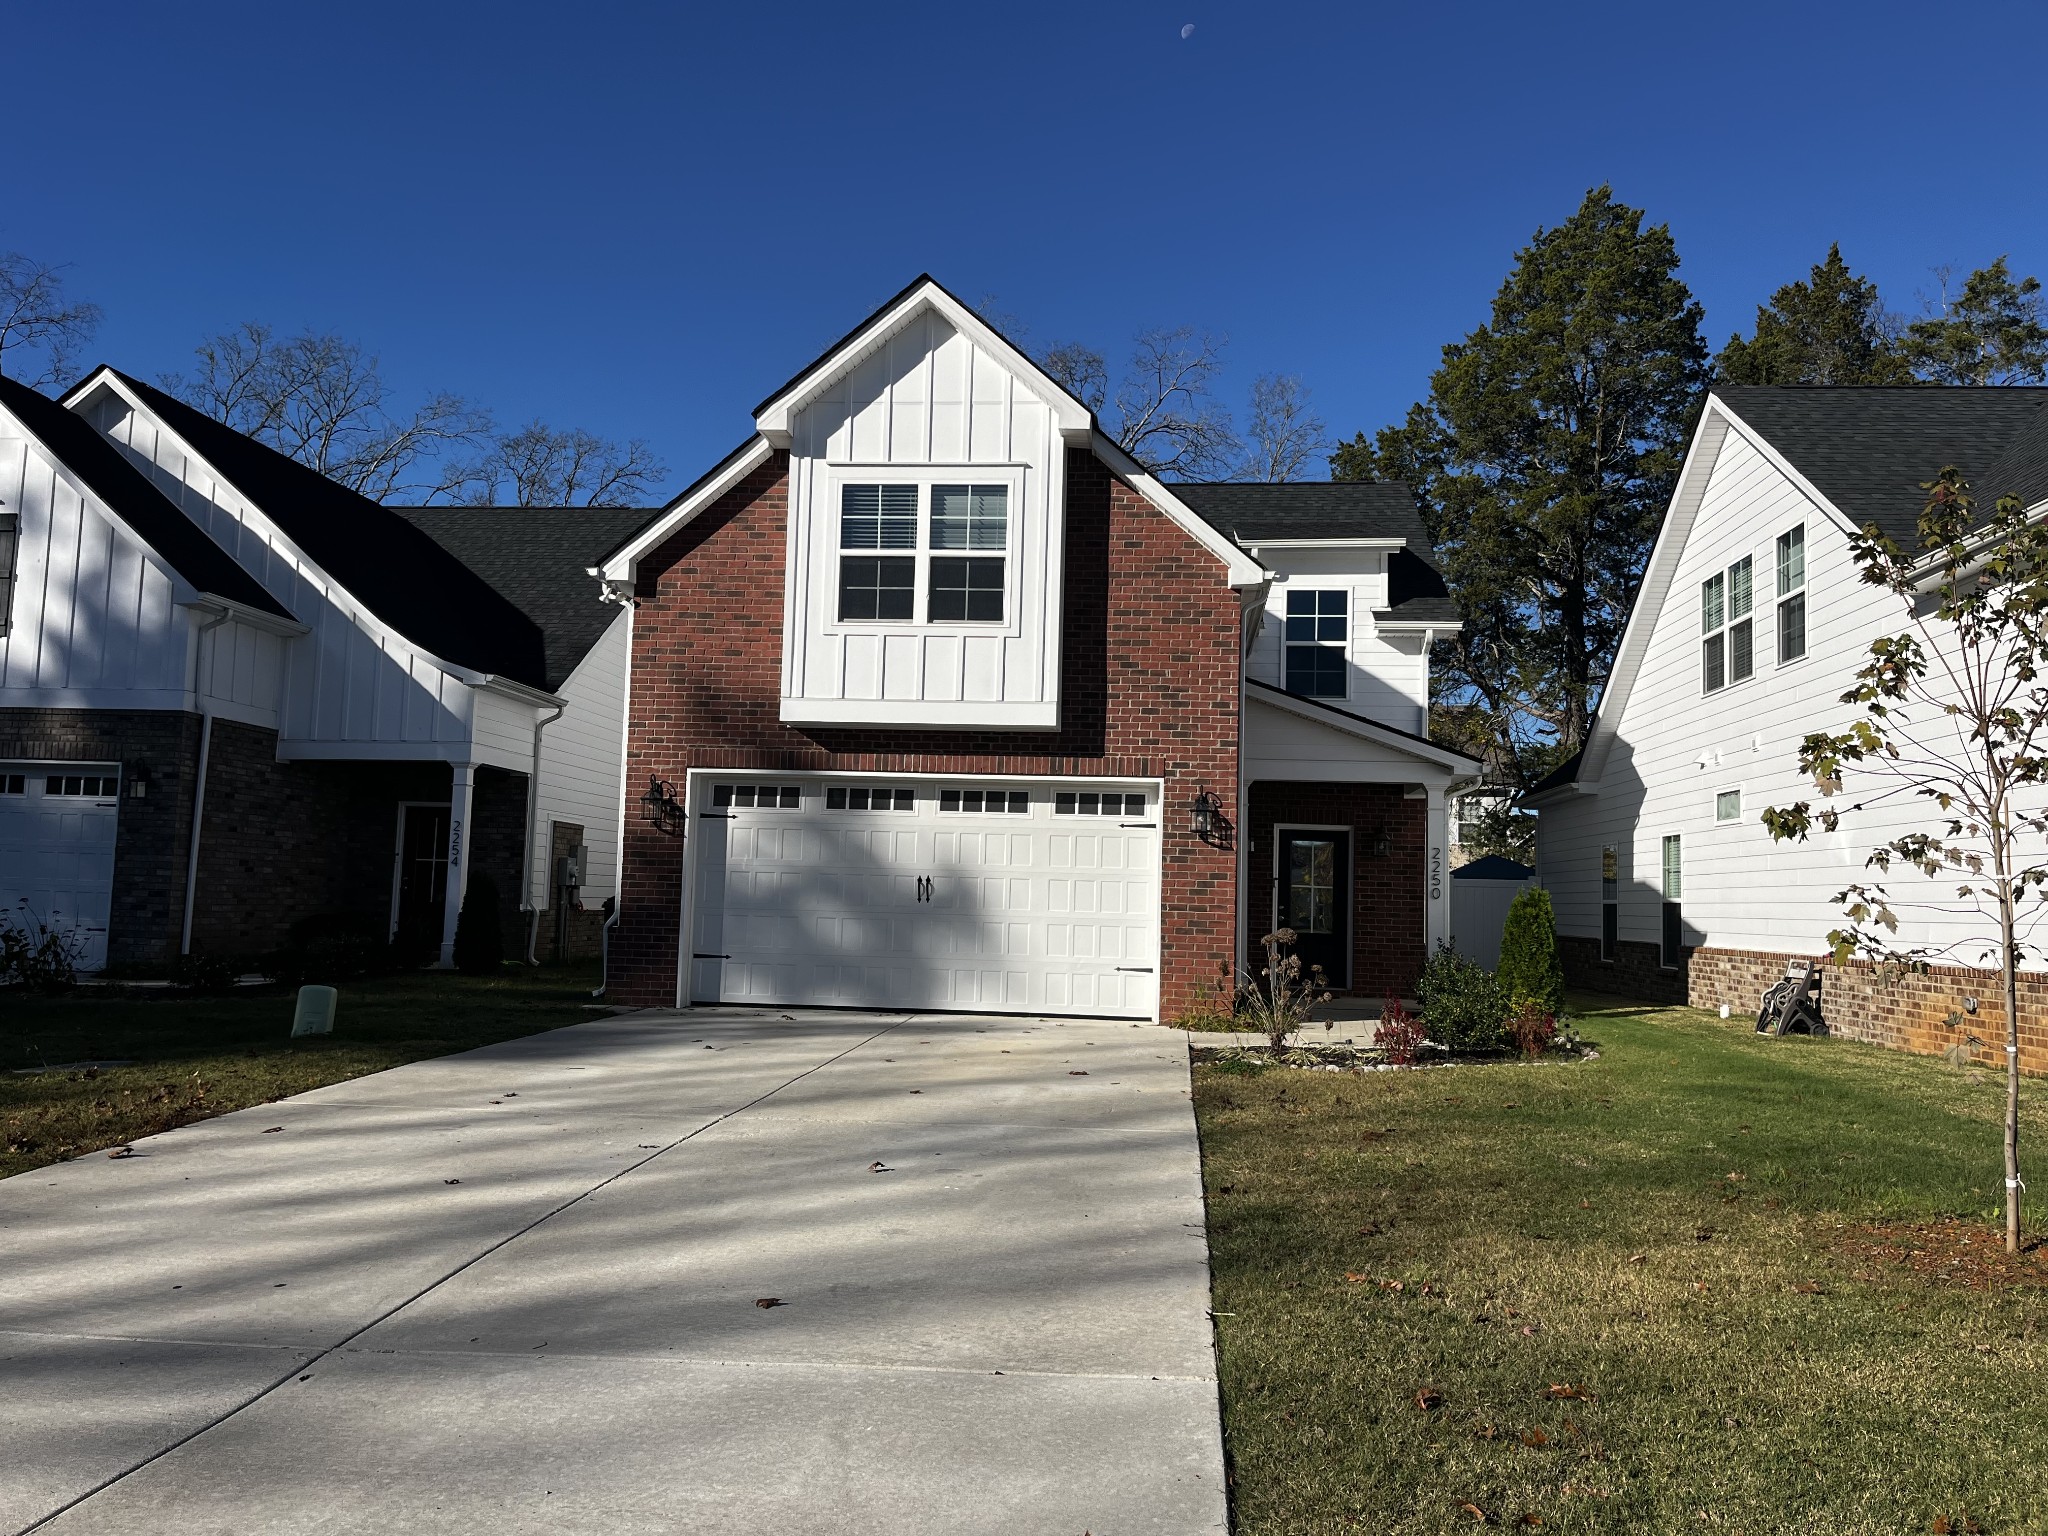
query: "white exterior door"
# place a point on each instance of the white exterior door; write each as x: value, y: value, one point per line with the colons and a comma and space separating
x: 1035, y: 896
x: 57, y: 824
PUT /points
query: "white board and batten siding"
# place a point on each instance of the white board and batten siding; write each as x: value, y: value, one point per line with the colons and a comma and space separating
x: 353, y: 683
x: 1386, y: 673
x: 1677, y: 749
x: 579, y: 767
x: 100, y: 621
x: 929, y: 406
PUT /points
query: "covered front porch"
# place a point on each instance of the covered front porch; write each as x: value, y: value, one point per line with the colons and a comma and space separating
x: 1344, y: 838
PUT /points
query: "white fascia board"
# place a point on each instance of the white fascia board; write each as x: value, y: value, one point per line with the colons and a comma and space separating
x: 1075, y: 420
x: 255, y: 618
x: 491, y: 682
x: 1241, y: 570
x: 360, y: 612
x: 1366, y: 730
x: 685, y: 507
x: 1418, y: 626
x: 925, y: 714
x: 1701, y: 455
x: 1258, y: 544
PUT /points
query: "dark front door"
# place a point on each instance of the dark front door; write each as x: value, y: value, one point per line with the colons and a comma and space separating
x: 1314, y: 873
x: 422, y: 876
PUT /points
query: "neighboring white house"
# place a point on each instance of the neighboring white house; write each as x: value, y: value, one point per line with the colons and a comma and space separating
x: 1749, y: 625
x: 287, y: 702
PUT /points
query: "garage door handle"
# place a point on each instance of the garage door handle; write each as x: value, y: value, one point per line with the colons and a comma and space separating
x: 716, y: 816
x: 710, y: 957
x: 1136, y: 826
x: 1145, y: 968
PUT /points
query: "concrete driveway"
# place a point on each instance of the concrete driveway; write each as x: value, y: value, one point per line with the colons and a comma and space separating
x: 516, y: 1290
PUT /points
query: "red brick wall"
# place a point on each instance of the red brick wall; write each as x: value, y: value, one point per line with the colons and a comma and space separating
x: 1387, y: 925
x: 1911, y: 1012
x: 1149, y: 688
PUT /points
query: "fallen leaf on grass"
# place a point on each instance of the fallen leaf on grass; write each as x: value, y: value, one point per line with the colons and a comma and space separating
x: 1391, y: 1285
x: 1535, y: 1439
x: 1639, y: 1258
x: 1429, y: 1399
x: 1530, y: 1520
x: 1737, y: 1178
x: 766, y: 1302
x: 1703, y: 1234
x: 1808, y: 1288
x: 1565, y: 1389
x: 1355, y: 1277
x: 1475, y: 1512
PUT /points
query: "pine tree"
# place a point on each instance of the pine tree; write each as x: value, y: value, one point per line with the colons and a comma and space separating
x: 1990, y: 332
x: 1830, y: 329
x: 1544, y: 456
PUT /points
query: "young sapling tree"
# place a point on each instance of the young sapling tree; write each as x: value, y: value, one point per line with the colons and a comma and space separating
x: 1954, y: 715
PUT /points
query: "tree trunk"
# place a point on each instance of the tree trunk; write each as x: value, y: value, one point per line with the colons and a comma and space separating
x: 2010, y: 966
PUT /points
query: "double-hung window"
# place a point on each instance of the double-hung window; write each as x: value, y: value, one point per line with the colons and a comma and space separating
x: 1728, y: 646
x: 10, y: 524
x: 1792, y: 594
x: 1672, y: 948
x: 934, y: 554
x: 1610, y: 902
x: 1318, y: 644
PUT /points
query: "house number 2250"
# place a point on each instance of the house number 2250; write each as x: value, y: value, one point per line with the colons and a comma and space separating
x: 1436, y: 873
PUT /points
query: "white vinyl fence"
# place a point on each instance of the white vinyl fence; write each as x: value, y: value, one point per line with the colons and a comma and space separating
x: 1479, y: 906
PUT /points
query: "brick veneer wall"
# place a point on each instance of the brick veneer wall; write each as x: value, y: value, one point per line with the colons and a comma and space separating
x: 1921, y: 1013
x: 1149, y: 685
x: 1637, y: 969
x: 151, y: 833
x: 1388, y: 943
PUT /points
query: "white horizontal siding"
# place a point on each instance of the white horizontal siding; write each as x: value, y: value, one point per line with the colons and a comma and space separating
x: 1387, y: 676
x: 580, y: 767
x: 1676, y: 748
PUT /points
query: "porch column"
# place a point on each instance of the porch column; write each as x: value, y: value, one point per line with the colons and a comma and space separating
x: 461, y: 793
x: 1436, y: 872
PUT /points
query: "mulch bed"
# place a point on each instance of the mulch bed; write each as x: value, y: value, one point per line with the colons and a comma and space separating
x: 1969, y: 1254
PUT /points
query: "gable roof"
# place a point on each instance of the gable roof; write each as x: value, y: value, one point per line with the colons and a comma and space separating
x: 1869, y: 450
x: 127, y: 493
x: 393, y: 568
x: 539, y: 559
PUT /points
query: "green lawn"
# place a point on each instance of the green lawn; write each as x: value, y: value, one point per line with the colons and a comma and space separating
x: 201, y: 1056
x: 1703, y: 1283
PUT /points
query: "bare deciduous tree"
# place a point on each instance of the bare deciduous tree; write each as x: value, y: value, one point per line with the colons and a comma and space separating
x: 34, y: 314
x: 546, y: 467
x: 1163, y: 413
x: 322, y: 400
x: 1284, y: 433
x: 1953, y: 714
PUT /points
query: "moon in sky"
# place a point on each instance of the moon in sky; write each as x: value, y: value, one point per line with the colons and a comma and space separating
x: 1187, y: 31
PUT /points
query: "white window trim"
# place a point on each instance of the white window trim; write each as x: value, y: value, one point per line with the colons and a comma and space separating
x: 1736, y: 819
x: 1779, y: 599
x: 924, y: 477
x: 1352, y: 608
x: 1725, y: 631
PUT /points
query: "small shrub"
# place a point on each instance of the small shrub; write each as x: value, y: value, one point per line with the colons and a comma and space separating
x: 1280, y: 1001
x: 479, y: 936
x: 1463, y: 1007
x: 201, y: 971
x: 1529, y: 963
x: 37, y: 956
x: 1212, y: 1012
x: 1533, y: 1027
x: 1400, y: 1036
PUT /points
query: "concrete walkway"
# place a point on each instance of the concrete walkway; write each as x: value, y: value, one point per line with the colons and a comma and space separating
x: 515, y: 1290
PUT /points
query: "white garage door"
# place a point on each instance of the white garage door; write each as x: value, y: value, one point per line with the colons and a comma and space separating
x: 1017, y: 897
x: 57, y: 827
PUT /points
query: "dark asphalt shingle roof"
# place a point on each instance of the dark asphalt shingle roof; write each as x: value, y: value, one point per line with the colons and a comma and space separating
x: 1335, y: 509
x: 1869, y: 450
x: 127, y: 492
x: 538, y: 557
x: 394, y: 568
x: 1492, y: 867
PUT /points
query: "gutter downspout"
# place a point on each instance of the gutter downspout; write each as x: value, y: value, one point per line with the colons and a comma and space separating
x: 531, y: 906
x: 604, y: 937
x: 220, y: 617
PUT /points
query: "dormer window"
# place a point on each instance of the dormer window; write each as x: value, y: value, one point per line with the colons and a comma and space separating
x: 957, y: 573
x: 1318, y: 644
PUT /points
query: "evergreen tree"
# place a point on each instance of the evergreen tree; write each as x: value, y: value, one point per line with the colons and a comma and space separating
x: 1990, y: 332
x: 1530, y: 966
x: 1830, y: 329
x: 1544, y: 456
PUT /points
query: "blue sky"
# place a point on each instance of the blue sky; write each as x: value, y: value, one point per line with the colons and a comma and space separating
x: 640, y: 219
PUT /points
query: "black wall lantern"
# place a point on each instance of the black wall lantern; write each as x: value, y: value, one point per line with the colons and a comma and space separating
x: 1207, y: 820
x: 660, y: 808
